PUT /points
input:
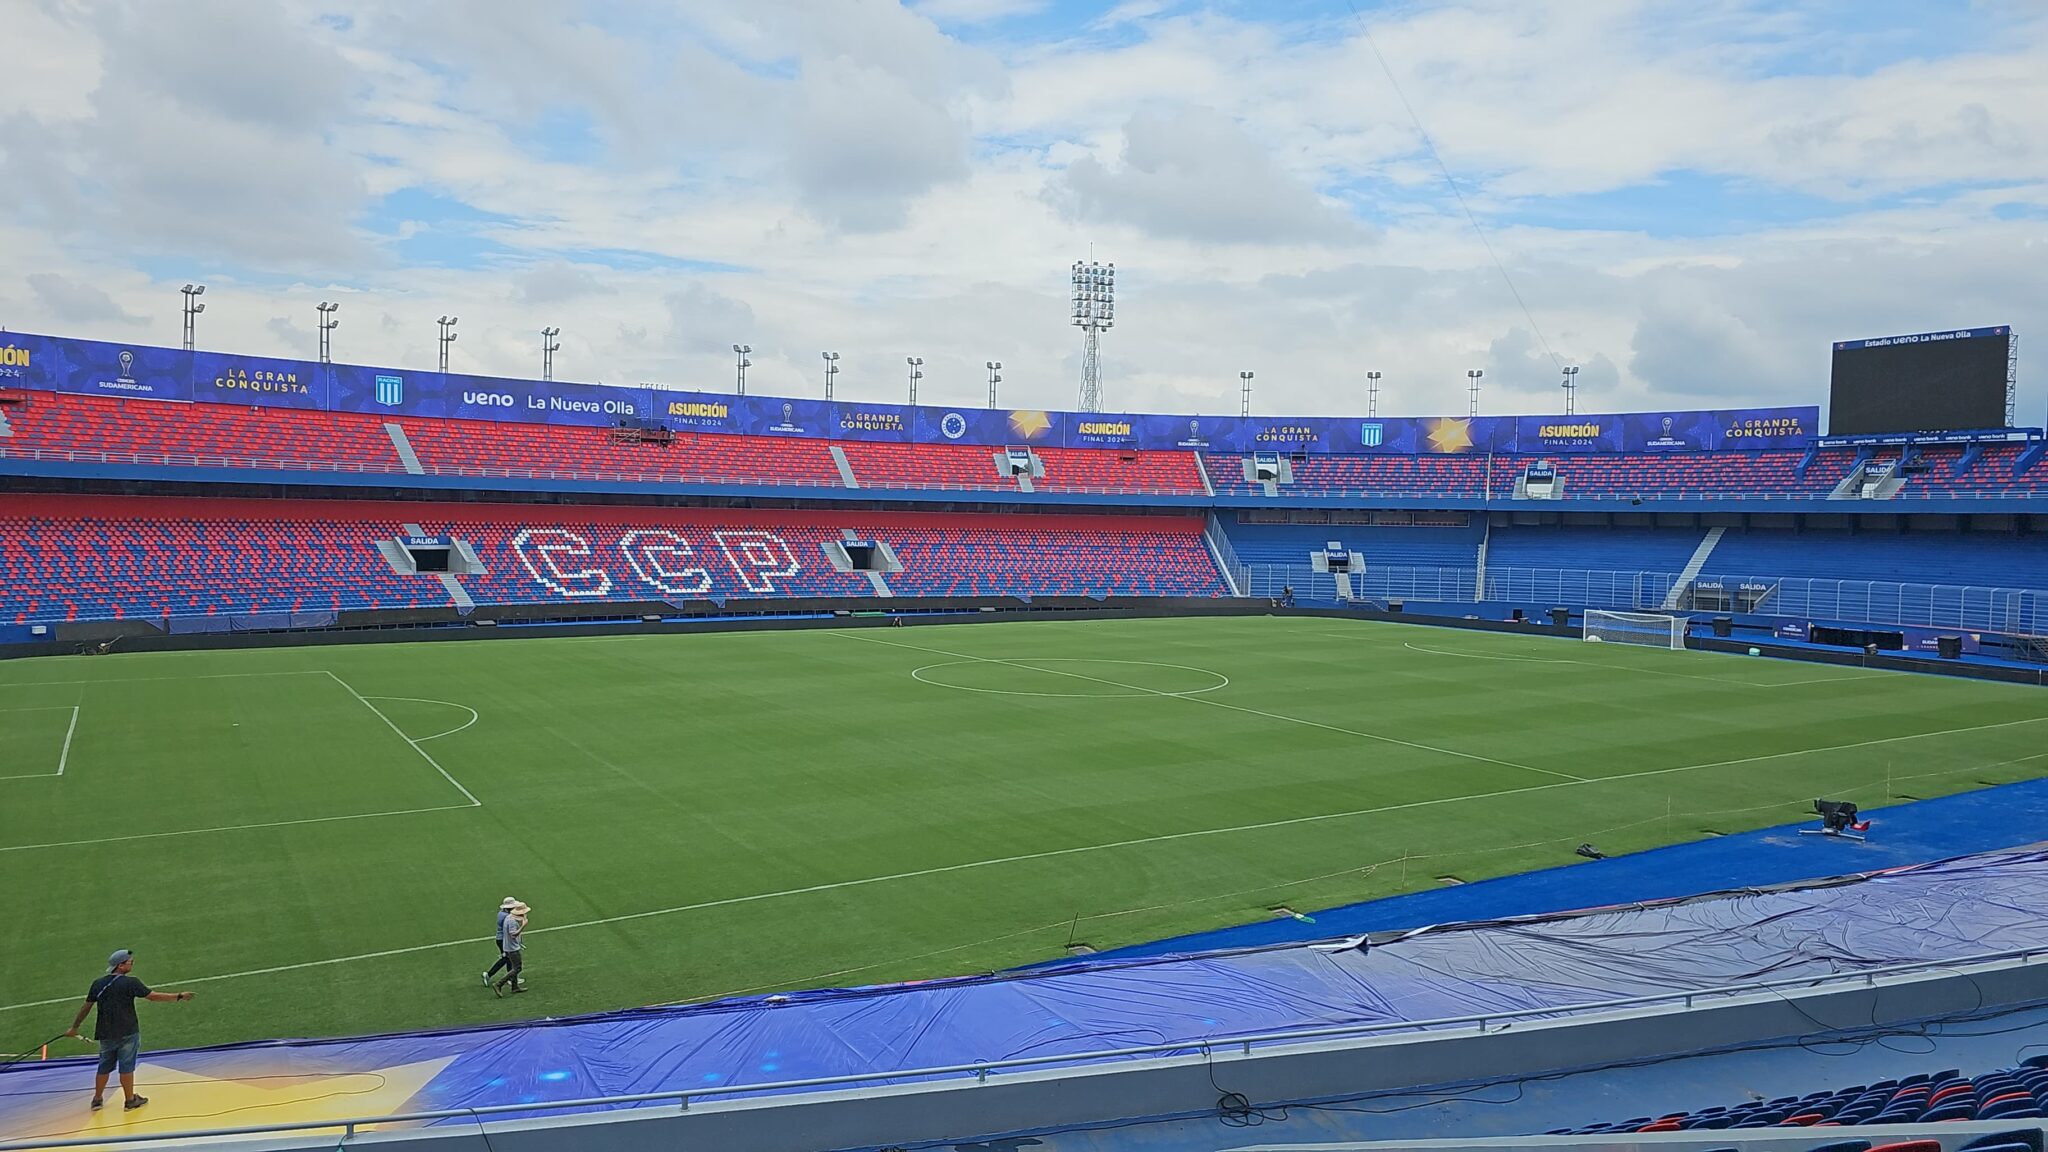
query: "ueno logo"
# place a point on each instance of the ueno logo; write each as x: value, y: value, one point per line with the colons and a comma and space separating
x: 488, y: 399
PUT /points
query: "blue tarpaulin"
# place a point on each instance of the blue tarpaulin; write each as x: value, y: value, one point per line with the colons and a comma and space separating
x: 1946, y: 910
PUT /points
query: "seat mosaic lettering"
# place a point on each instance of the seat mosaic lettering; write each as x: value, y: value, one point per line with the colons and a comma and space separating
x: 568, y: 564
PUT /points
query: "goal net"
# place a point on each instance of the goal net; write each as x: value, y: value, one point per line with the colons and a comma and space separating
x: 1651, y: 628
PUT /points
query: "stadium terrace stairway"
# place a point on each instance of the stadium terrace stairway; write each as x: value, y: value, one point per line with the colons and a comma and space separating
x: 83, y: 558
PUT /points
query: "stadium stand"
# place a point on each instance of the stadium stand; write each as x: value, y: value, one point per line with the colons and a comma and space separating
x: 879, y: 464
x: 1404, y: 546
x: 73, y: 427
x: 1119, y: 470
x: 1979, y: 559
x: 1692, y: 474
x: 198, y: 435
x: 1601, y: 549
x: 479, y: 447
x: 1955, y: 471
x: 2015, y: 1093
x: 68, y: 558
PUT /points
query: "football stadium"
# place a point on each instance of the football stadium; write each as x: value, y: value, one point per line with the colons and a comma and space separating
x: 451, y: 758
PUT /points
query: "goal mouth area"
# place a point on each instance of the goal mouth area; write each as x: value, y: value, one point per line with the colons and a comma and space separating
x: 1645, y: 629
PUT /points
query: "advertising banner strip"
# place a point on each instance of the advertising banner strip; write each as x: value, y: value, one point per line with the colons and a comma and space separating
x: 90, y: 367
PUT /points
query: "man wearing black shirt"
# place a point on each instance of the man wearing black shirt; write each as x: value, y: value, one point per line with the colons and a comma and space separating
x: 118, y: 1031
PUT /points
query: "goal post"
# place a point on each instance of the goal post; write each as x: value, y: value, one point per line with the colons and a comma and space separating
x: 1654, y: 629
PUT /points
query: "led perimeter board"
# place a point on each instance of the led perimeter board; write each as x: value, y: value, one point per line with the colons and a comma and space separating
x: 1932, y: 382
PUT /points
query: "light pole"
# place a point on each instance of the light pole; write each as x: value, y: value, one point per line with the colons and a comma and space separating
x: 1372, y: 394
x: 916, y: 373
x: 1571, y: 391
x: 831, y: 370
x: 1244, y: 403
x: 548, y: 347
x: 1474, y: 375
x: 328, y: 324
x: 447, y: 324
x: 1094, y: 313
x: 192, y: 309
x: 995, y: 377
x: 740, y: 364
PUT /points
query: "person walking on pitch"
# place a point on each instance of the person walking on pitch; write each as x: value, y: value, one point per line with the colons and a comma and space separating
x: 515, y: 950
x: 118, y: 1031
x: 504, y: 961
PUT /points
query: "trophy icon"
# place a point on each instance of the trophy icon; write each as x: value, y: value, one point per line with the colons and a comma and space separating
x: 127, y: 360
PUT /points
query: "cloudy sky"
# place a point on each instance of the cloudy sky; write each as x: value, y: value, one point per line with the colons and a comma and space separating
x: 1691, y: 197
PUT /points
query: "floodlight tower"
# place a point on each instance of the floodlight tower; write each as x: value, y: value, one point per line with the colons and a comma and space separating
x: 328, y: 323
x: 1571, y: 390
x: 447, y: 324
x: 548, y: 347
x: 1244, y: 401
x: 1372, y: 393
x: 740, y: 364
x: 995, y: 377
x: 192, y: 310
x: 1473, y: 375
x: 1094, y: 314
x: 916, y: 364
x: 831, y: 370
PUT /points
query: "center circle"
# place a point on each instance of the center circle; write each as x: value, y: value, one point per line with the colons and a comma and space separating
x: 1071, y: 677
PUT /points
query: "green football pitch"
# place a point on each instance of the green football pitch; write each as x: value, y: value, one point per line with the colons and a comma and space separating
x: 315, y: 839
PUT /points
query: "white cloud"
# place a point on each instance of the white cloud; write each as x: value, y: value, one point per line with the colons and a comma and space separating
x: 77, y: 302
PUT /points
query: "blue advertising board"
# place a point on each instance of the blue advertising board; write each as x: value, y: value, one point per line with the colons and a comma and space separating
x: 92, y: 367
x: 2000, y: 332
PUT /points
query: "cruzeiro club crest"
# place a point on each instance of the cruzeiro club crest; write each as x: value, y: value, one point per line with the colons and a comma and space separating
x: 953, y: 426
x: 1370, y: 435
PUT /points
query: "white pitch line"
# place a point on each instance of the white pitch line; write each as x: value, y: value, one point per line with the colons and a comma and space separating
x: 227, y: 828
x: 1220, y: 704
x: 1647, y: 671
x: 424, y: 754
x: 12, y: 684
x: 445, y: 703
x: 1477, y: 656
x: 1166, y: 837
x: 63, y: 757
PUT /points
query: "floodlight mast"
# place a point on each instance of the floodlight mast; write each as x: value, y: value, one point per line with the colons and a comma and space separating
x: 1094, y: 313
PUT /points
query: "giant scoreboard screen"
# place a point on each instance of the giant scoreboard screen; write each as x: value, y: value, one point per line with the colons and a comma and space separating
x: 1932, y: 382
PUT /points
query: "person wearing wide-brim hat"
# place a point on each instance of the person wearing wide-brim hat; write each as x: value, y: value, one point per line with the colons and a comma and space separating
x: 117, y: 1030
x: 515, y: 950
x: 505, y: 907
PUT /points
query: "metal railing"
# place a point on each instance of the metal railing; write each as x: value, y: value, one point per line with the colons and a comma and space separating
x: 1974, y: 608
x: 1203, y: 1048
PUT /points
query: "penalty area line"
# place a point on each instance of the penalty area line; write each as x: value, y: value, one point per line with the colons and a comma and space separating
x: 1054, y: 853
x: 63, y: 756
x: 415, y: 744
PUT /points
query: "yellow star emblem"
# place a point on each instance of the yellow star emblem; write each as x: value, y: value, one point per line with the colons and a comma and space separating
x: 183, y: 1101
x: 1030, y: 425
x: 1449, y: 435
